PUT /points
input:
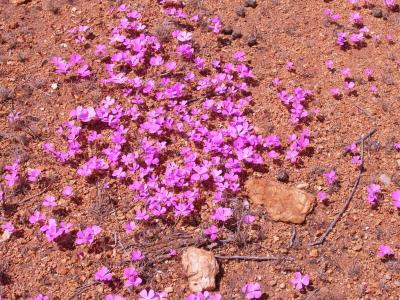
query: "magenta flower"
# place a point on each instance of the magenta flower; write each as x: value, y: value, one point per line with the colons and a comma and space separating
x: 148, y: 295
x: 184, y: 36
x: 68, y: 191
x: 239, y: 56
x: 129, y: 227
x: 39, y: 297
x: 396, y: 198
x: 222, y: 214
x: 252, y: 290
x: 136, y: 255
x: 385, y: 251
x: 299, y: 281
x: 87, y: 235
x: 103, y: 274
x: 49, y: 201
x: 132, y: 278
x: 390, y: 3
x: 330, y: 177
x: 9, y: 228
x: 322, y: 196
x: 37, y: 217
x: 373, y: 191
x: 248, y: 219
x: 114, y: 297
x: 355, y: 18
x: 212, y: 232
x: 329, y: 65
x: 33, y: 174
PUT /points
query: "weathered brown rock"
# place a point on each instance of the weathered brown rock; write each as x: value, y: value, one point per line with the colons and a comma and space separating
x: 201, y: 267
x: 282, y: 202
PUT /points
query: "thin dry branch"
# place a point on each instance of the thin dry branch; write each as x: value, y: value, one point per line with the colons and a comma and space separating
x: 323, y: 237
x: 253, y: 258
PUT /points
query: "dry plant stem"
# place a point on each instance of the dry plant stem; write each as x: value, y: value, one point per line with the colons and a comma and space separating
x: 322, y: 239
x: 292, y: 237
x: 253, y: 258
x: 81, y: 290
x: 312, y: 294
x: 34, y: 196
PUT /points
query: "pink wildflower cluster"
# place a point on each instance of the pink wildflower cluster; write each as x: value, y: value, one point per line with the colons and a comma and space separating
x: 295, y: 103
x: 74, y: 64
x: 158, y: 106
x: 11, y: 177
x: 79, y: 33
x: 51, y: 229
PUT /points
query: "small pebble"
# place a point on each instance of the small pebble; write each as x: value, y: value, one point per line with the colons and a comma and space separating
x: 240, y: 12
x: 251, y: 3
x: 357, y: 247
x: 302, y: 186
x: 314, y: 253
x: 385, y: 180
x: 388, y: 276
x: 236, y: 34
x: 54, y: 86
x: 251, y: 41
x: 227, y: 30
x: 282, y: 286
x: 377, y: 13
x: 282, y: 176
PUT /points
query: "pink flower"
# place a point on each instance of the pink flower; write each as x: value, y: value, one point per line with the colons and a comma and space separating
x: 9, y: 227
x: 290, y: 66
x: 330, y: 177
x: 100, y: 50
x: 329, y: 65
x: 322, y: 196
x: 396, y: 198
x: 373, y: 191
x: 252, y: 290
x: 87, y: 235
x: 355, y: 18
x: 390, y: 3
x: 212, y: 231
x: 132, y: 278
x: 222, y: 214
x: 130, y: 227
x: 68, y: 191
x: 136, y: 255
x: 248, y: 219
x: 37, y: 217
x: 84, y: 114
x: 299, y: 281
x: 38, y: 297
x: 33, y: 174
x: 114, y: 297
x: 385, y: 251
x: 49, y: 201
x: 103, y: 274
x: 148, y: 295
x: 184, y: 36
x: 239, y: 56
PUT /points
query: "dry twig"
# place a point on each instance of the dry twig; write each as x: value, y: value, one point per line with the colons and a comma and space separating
x: 253, y: 258
x: 323, y: 237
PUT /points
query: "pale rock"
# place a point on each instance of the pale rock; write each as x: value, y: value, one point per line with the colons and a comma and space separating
x: 282, y: 202
x: 200, y: 267
x: 385, y: 180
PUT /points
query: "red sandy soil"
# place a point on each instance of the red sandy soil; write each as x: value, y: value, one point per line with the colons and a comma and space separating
x: 344, y: 267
